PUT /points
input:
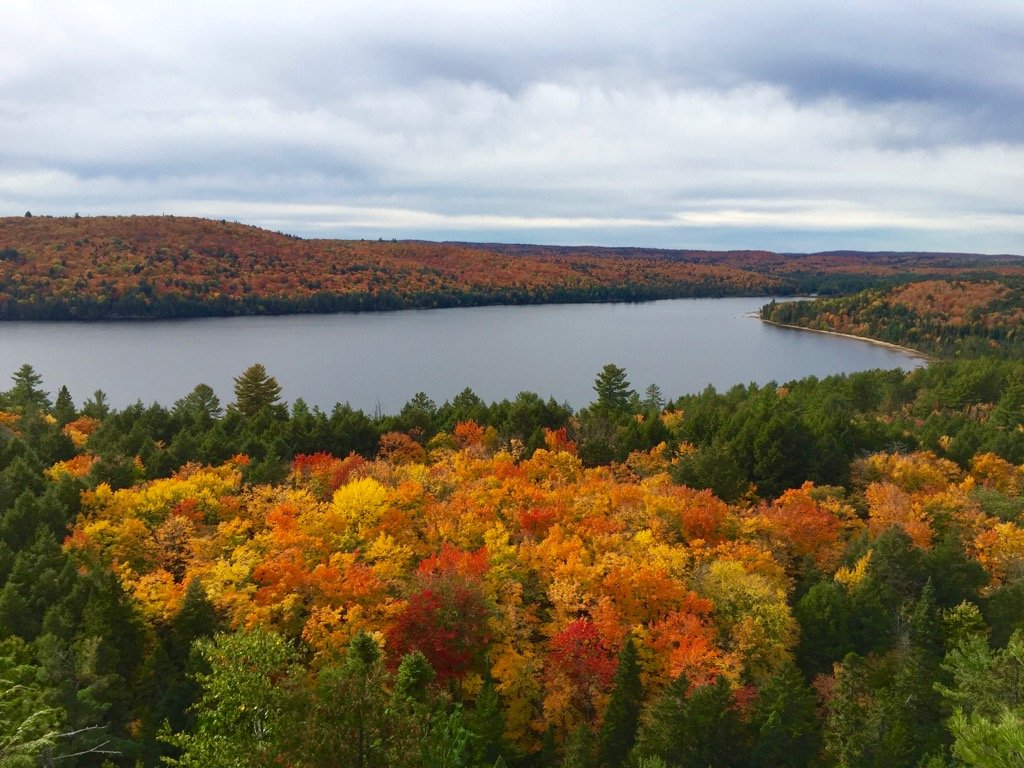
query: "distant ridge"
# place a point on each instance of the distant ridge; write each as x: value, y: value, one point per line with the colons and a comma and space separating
x: 920, y: 254
x: 113, y: 267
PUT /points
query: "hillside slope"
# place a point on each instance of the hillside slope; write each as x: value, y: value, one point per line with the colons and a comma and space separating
x: 946, y: 318
x: 164, y: 266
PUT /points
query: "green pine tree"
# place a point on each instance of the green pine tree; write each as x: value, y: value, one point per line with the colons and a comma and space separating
x: 29, y: 724
x: 27, y: 392
x: 613, y: 390
x: 199, y: 407
x: 96, y: 406
x: 487, y: 723
x: 622, y: 715
x: 579, y: 748
x: 698, y: 729
x: 786, y: 728
x: 64, y: 409
x: 255, y: 390
x: 653, y: 398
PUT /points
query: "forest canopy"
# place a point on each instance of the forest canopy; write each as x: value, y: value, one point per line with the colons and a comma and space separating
x: 825, y: 572
x: 109, y: 267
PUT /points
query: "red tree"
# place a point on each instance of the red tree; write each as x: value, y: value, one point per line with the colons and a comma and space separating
x: 447, y: 621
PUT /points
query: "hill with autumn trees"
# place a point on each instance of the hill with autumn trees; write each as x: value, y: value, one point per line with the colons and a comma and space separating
x: 164, y: 266
x: 962, y: 318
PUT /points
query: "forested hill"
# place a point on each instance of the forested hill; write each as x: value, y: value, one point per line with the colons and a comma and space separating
x: 946, y: 318
x: 164, y: 266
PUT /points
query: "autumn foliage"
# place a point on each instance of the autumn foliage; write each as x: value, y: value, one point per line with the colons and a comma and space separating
x: 531, y: 573
x: 165, y: 266
x: 953, y: 317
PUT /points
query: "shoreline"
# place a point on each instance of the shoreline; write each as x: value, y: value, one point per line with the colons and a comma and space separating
x: 906, y: 350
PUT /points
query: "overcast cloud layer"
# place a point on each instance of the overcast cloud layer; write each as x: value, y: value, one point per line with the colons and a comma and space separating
x: 798, y: 125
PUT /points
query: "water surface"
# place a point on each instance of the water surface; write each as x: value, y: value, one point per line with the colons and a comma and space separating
x: 380, y: 360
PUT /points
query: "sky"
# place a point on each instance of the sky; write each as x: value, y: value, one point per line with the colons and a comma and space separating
x: 800, y: 125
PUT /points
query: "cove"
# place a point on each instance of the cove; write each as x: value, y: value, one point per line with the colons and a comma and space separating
x: 378, y: 361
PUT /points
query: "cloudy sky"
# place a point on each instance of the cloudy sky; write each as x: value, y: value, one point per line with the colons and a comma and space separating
x: 793, y: 125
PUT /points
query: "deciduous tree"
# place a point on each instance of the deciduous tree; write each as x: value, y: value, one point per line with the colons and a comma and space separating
x: 247, y: 702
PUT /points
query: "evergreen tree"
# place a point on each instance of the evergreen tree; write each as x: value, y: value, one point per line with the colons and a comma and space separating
x: 1004, y: 612
x: 1009, y: 411
x: 786, y: 728
x: 987, y: 697
x: 548, y: 748
x: 884, y: 711
x: 780, y: 452
x: 465, y: 406
x: 355, y: 713
x: 487, y: 723
x: 694, y: 730
x: 445, y: 742
x: 18, y: 524
x: 255, y: 390
x: 825, y: 616
x: 96, y: 406
x: 417, y: 416
x: 27, y: 392
x: 28, y: 721
x: 196, y: 618
x: 653, y: 399
x: 954, y: 576
x: 712, y: 467
x: 988, y: 742
x: 622, y: 715
x: 64, y: 409
x: 613, y: 390
x: 348, y: 715
x: 413, y: 677
x: 199, y: 407
x: 99, y: 616
x: 38, y: 579
x: 171, y: 669
x: 20, y: 476
x: 579, y: 749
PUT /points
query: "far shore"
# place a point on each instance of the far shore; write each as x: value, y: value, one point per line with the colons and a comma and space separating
x: 906, y: 350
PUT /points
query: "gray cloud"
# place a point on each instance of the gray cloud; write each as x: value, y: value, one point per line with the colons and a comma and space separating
x: 796, y: 126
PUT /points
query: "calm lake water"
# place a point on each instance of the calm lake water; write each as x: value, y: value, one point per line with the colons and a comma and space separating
x: 382, y: 359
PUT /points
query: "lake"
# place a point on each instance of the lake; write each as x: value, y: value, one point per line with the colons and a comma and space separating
x: 380, y: 360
